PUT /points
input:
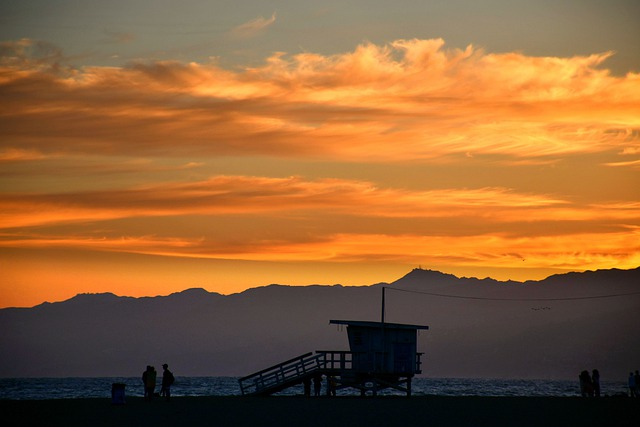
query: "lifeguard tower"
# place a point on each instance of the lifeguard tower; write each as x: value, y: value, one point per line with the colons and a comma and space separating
x: 381, y: 355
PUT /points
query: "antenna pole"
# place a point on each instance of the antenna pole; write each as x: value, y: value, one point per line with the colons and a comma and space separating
x: 382, y: 317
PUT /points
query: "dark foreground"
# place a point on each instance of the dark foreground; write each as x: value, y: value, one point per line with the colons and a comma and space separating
x: 342, y: 411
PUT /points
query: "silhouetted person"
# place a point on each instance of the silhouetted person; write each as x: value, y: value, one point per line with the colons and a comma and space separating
x: 150, y: 382
x: 167, y: 381
x: 632, y: 385
x: 331, y: 386
x: 307, y: 387
x: 595, y: 377
x: 145, y: 374
x: 637, y: 381
x: 586, y: 386
x: 317, y: 385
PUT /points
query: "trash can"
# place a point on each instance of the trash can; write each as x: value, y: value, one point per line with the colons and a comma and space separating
x: 117, y: 393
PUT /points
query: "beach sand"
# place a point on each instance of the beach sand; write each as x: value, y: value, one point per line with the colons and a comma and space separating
x: 311, y: 412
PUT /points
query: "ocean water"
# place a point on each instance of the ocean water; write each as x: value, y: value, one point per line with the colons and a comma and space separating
x: 70, y: 388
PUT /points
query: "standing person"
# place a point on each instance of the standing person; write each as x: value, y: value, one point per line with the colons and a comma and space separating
x: 307, y: 387
x: 145, y: 374
x: 317, y: 385
x: 586, y: 386
x: 636, y: 378
x: 595, y: 376
x: 331, y: 385
x: 167, y: 381
x: 632, y: 385
x: 150, y: 383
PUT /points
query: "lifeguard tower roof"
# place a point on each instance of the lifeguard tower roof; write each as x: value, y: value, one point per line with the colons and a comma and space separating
x: 362, y: 324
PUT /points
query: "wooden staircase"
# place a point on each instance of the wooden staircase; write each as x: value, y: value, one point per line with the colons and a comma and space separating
x: 282, y: 376
x: 292, y: 372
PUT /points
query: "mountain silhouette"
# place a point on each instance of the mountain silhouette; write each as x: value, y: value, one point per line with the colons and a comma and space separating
x: 552, y: 328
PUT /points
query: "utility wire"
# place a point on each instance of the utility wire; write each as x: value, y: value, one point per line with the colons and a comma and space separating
x: 515, y: 299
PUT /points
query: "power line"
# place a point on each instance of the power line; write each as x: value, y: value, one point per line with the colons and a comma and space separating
x: 515, y: 299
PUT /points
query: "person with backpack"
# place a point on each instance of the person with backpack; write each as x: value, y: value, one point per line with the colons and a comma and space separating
x: 167, y: 380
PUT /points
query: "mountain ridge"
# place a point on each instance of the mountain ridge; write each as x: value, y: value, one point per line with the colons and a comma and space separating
x: 475, y: 334
x: 415, y: 274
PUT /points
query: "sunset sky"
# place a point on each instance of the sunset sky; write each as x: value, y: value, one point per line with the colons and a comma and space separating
x: 148, y: 147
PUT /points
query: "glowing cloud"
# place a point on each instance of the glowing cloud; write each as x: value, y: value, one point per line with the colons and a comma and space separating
x: 481, y: 218
x: 242, y: 195
x: 408, y: 100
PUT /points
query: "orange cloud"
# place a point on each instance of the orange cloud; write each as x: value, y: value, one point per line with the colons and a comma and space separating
x: 470, y: 225
x: 409, y: 100
x: 241, y: 195
x: 632, y: 163
x: 16, y: 154
x: 597, y: 250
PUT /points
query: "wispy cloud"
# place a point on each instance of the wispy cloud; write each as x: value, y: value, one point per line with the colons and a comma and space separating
x: 119, y: 37
x: 259, y: 195
x: 252, y: 28
x: 619, y: 249
x: 353, y: 220
x: 632, y: 163
x: 17, y: 155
